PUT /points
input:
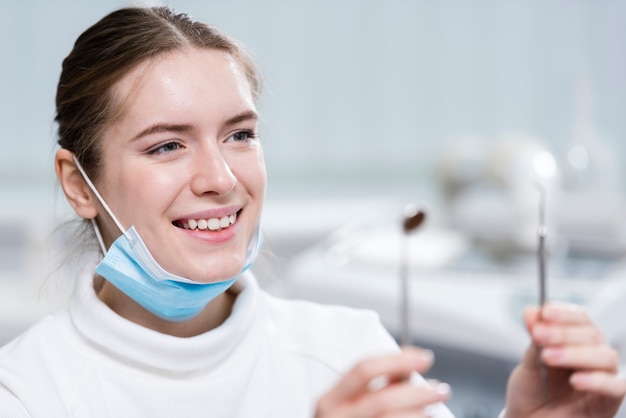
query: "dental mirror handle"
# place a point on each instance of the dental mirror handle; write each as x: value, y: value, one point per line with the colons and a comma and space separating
x: 413, y: 218
x: 541, y: 259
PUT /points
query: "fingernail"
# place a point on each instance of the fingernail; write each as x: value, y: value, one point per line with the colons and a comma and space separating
x: 580, y: 380
x: 552, y: 354
x: 443, y: 389
x: 428, y: 355
x: 541, y: 333
x: 547, y: 313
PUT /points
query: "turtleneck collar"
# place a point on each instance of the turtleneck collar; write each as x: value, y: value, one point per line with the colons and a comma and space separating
x: 125, y: 341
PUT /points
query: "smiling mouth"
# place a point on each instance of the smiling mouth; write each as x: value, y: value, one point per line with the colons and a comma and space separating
x: 210, y: 224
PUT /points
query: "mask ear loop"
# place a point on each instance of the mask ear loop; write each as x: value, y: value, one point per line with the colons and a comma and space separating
x: 98, y: 235
x: 102, y: 202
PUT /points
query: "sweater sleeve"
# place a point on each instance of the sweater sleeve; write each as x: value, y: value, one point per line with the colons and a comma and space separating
x: 10, y: 405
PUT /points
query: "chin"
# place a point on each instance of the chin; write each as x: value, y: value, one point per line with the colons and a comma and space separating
x: 225, y: 274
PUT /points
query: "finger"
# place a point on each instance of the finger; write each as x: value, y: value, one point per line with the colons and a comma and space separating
x: 608, y: 384
x: 426, y: 413
x: 392, y: 367
x: 565, y: 313
x: 430, y: 411
x: 401, y: 397
x: 600, y: 358
x: 547, y: 334
x: 408, y: 414
x: 556, y: 312
x: 532, y: 316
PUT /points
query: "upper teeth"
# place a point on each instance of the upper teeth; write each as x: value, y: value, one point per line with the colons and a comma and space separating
x: 212, y: 224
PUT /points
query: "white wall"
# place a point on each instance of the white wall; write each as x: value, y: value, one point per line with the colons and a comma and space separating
x: 355, y: 89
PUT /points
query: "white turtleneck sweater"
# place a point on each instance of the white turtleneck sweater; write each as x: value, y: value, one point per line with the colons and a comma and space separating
x: 271, y: 358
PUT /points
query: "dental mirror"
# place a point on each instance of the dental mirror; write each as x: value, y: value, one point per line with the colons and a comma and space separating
x: 414, y: 217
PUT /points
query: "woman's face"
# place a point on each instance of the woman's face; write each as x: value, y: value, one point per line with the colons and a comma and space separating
x: 183, y: 164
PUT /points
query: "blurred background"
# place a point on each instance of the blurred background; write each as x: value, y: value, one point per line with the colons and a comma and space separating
x: 466, y: 108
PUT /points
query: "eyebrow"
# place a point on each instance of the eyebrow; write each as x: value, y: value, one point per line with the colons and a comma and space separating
x: 173, y: 127
x: 248, y: 115
x: 162, y: 127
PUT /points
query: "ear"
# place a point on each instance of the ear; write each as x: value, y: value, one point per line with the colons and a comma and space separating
x: 75, y: 188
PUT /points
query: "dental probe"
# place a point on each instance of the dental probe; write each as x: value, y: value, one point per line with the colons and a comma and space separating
x: 541, y: 256
x: 413, y: 218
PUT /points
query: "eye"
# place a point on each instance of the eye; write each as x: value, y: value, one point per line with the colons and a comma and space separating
x: 165, y: 148
x: 243, y: 136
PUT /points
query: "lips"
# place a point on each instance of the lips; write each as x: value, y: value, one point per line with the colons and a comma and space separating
x: 211, y: 224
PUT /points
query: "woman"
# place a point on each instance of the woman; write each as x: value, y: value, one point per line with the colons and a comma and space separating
x: 159, y: 151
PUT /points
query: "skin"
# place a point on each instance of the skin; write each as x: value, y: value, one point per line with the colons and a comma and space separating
x: 582, y: 368
x: 184, y: 147
x: 354, y: 397
x: 583, y: 378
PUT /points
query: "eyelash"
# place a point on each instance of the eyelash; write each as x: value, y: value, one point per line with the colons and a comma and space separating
x: 250, y: 135
x: 161, y: 149
x: 167, y: 147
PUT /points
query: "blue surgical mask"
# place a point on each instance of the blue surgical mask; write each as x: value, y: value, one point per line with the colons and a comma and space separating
x: 130, y: 267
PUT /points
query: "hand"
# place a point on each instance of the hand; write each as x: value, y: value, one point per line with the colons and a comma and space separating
x: 582, y: 379
x: 381, y: 387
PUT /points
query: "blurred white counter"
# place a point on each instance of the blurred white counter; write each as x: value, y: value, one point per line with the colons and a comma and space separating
x: 459, y: 297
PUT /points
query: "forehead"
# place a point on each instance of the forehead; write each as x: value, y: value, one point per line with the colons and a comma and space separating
x: 183, y: 80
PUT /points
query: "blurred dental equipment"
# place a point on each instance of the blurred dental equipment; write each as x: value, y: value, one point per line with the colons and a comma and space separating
x: 413, y: 218
x: 591, y: 168
x: 592, y: 171
x: 488, y: 191
x: 486, y: 185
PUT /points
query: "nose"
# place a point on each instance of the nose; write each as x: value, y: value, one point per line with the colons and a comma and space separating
x: 212, y: 174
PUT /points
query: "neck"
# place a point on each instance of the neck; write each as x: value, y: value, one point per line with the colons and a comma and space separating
x: 213, y: 315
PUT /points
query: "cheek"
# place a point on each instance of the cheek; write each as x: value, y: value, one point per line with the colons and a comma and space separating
x: 158, y: 188
x: 139, y: 188
x: 256, y: 177
x: 249, y: 169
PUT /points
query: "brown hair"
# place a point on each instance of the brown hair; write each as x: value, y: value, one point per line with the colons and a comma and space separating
x: 108, y: 50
